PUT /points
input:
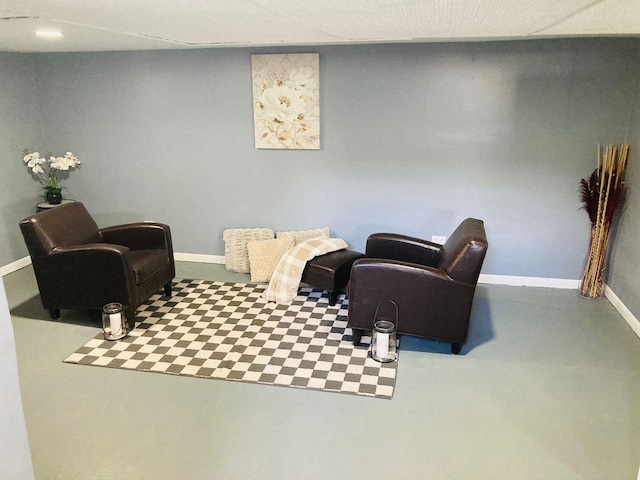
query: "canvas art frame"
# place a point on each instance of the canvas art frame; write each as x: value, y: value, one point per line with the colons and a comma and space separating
x: 286, y: 100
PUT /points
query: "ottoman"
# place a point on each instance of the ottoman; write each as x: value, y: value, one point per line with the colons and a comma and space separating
x: 330, y: 272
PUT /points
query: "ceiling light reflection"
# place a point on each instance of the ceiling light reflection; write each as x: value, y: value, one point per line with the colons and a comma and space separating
x: 49, y: 33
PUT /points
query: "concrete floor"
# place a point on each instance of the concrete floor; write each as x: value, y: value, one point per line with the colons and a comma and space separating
x: 548, y: 387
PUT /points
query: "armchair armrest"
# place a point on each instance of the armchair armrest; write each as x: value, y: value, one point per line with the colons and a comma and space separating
x: 429, y: 301
x: 394, y: 246
x: 91, y: 261
x: 139, y: 236
x: 381, y: 274
x: 86, y: 275
x: 91, y: 249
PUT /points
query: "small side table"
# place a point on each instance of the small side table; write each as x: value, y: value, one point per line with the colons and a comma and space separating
x: 42, y: 206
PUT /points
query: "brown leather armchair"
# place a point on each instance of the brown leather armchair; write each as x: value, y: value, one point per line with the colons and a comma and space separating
x: 431, y: 284
x: 78, y: 265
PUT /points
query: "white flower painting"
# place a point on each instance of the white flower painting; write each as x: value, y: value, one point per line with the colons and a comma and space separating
x: 286, y: 100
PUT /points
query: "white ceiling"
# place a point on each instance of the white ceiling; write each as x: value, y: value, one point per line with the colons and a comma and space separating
x: 94, y: 25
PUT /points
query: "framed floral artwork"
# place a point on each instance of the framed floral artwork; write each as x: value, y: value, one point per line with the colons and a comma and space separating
x: 286, y: 100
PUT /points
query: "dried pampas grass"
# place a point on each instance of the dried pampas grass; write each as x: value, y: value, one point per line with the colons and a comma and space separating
x: 602, y: 194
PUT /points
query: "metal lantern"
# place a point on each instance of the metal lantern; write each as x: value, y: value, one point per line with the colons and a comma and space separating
x: 383, y: 337
x: 114, y: 322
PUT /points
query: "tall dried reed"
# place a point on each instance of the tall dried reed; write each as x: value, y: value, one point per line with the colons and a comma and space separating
x: 602, y: 194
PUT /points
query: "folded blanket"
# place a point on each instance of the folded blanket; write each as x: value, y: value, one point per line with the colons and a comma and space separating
x: 285, y: 280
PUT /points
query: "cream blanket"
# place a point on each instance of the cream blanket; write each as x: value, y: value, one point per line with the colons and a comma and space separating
x: 286, y: 278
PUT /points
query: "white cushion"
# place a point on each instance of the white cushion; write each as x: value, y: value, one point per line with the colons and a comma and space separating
x: 235, y: 246
x: 302, y: 235
x: 264, y: 256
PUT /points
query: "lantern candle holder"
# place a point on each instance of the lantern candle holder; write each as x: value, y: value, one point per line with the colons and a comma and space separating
x: 383, y: 341
x: 114, y: 322
x: 383, y: 336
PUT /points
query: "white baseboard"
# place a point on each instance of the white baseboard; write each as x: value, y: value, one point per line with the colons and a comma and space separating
x: 633, y: 322
x: 631, y: 319
x: 198, y: 258
x: 14, y: 266
x: 529, y: 281
x: 219, y: 259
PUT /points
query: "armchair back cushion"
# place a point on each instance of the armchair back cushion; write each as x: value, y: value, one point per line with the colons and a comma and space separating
x: 463, y: 253
x: 71, y: 225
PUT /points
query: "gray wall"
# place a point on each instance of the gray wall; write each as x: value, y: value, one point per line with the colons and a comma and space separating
x: 414, y: 139
x: 625, y: 252
x: 20, y: 128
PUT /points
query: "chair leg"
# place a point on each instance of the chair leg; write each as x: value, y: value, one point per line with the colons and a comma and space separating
x: 54, y: 314
x: 130, y: 315
x: 167, y: 289
x: 357, y: 336
x: 333, y: 297
x: 455, y: 348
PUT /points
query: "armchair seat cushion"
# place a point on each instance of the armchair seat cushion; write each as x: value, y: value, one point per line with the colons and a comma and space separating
x: 146, y: 263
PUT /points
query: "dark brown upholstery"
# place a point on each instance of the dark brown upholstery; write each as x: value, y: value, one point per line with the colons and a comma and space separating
x: 432, y: 285
x: 330, y: 272
x: 78, y: 265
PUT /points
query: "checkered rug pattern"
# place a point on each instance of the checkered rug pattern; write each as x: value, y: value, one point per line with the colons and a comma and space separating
x: 228, y: 331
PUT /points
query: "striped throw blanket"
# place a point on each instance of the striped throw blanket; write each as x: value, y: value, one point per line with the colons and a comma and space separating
x: 285, y: 280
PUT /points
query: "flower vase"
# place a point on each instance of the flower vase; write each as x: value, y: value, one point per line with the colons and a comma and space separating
x: 53, y: 197
x: 592, y: 285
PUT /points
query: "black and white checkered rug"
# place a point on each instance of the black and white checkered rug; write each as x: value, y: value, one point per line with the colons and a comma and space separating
x: 228, y: 331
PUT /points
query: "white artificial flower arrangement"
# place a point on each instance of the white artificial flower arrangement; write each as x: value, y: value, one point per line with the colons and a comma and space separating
x: 45, y: 169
